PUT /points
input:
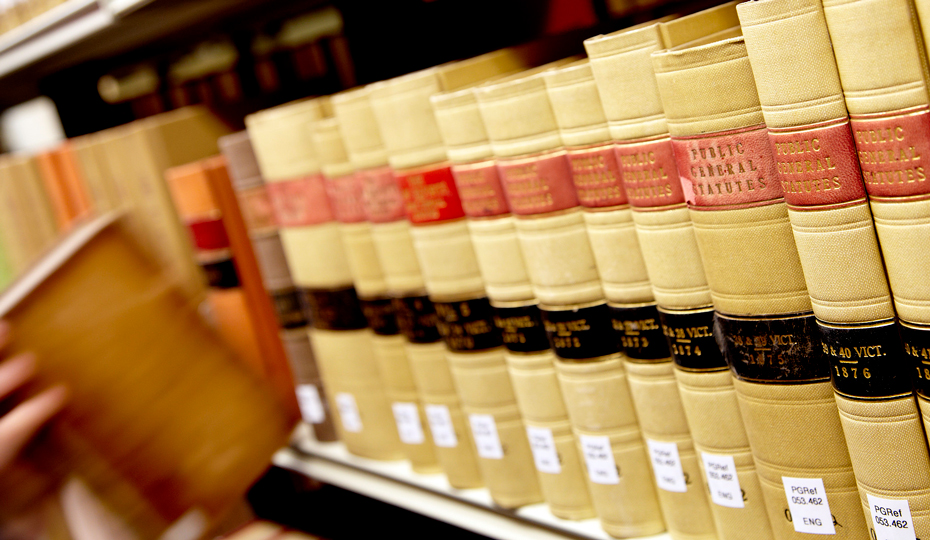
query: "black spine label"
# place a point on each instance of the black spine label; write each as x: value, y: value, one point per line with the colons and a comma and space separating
x: 380, y: 316
x: 468, y: 325
x: 916, y: 340
x: 867, y: 361
x: 639, y: 332
x: 690, y: 337
x: 221, y: 274
x: 337, y: 309
x: 288, y: 308
x: 416, y: 318
x: 521, y: 328
x: 776, y: 350
x: 580, y: 333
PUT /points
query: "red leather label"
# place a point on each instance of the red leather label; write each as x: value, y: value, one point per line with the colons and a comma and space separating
x: 729, y: 168
x: 345, y: 198
x: 257, y: 211
x: 817, y: 165
x: 208, y: 234
x: 300, y: 202
x: 479, y: 186
x: 597, y: 177
x: 381, y: 197
x: 650, y: 174
x: 538, y: 184
x: 430, y: 195
x: 893, y: 152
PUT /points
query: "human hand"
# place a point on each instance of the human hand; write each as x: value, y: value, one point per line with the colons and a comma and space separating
x: 18, y: 426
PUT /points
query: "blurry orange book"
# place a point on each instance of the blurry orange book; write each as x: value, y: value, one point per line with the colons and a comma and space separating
x: 162, y: 419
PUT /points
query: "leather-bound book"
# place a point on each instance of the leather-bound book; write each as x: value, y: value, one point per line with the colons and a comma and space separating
x: 144, y: 434
x: 536, y: 177
x: 764, y: 319
x: 627, y: 89
x: 288, y: 310
x: 390, y: 233
x: 345, y: 196
x: 339, y: 333
x: 529, y: 358
x: 451, y: 276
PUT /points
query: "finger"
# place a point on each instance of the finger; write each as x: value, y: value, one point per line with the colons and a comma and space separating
x: 23, y: 422
x: 15, y: 372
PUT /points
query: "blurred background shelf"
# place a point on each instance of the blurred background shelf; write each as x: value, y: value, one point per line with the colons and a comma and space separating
x: 395, y: 483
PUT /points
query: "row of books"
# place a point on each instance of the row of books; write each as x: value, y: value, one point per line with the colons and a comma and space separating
x: 675, y: 285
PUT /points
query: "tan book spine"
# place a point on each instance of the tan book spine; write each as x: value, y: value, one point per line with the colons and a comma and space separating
x: 258, y: 215
x: 453, y: 281
x: 763, y: 309
x: 12, y: 224
x: 341, y: 341
x: 854, y: 307
x: 344, y: 190
x: 529, y: 361
x: 536, y: 176
x: 390, y: 232
x: 622, y: 68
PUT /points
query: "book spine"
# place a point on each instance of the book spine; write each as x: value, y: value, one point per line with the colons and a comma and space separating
x: 670, y: 251
x: 465, y: 320
x: 344, y: 189
x: 416, y: 318
x: 769, y: 338
x: 562, y: 268
x: 339, y: 334
x: 889, y: 114
x: 258, y: 216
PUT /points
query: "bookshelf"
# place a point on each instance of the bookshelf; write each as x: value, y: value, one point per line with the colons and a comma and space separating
x: 395, y: 483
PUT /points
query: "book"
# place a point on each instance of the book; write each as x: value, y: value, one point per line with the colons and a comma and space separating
x: 345, y: 197
x: 635, y: 118
x: 258, y: 216
x: 416, y: 317
x: 563, y: 480
x: 763, y: 309
x: 339, y: 333
x: 142, y: 436
x: 450, y: 270
x: 828, y: 206
x: 536, y: 177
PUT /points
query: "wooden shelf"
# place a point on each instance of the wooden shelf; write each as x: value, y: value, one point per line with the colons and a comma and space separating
x: 431, y: 495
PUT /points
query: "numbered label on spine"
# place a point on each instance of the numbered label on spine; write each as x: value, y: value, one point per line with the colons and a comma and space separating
x: 468, y: 325
x: 891, y: 518
x: 416, y: 318
x: 666, y: 464
x: 311, y: 406
x: 580, y: 333
x: 691, y: 341
x: 599, y: 458
x: 639, y: 332
x: 545, y: 454
x: 722, y: 480
x: 440, y: 425
x: 917, y: 348
x: 348, y: 413
x: 521, y: 328
x: 807, y: 501
x: 484, y: 430
x: 409, y: 427
x: 866, y: 361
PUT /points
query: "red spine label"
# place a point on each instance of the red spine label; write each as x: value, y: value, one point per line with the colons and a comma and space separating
x: 430, y: 195
x: 538, y: 184
x: 479, y: 186
x: 345, y: 197
x: 301, y: 202
x: 730, y: 168
x: 257, y: 211
x: 817, y: 166
x: 650, y: 175
x: 893, y: 152
x: 208, y: 234
x: 381, y: 197
x: 597, y: 177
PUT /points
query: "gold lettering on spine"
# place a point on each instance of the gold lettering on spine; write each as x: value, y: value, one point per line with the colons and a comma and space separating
x: 641, y: 168
x: 888, y: 146
x: 714, y: 163
x: 805, y: 156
